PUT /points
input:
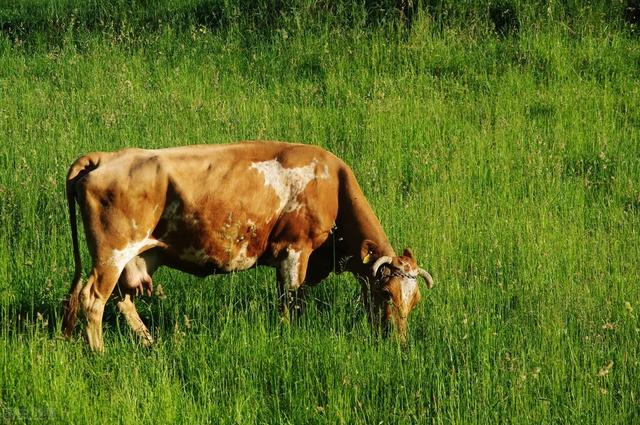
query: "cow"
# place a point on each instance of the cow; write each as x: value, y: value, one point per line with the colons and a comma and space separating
x: 208, y: 209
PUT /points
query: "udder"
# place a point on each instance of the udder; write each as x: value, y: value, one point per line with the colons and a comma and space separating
x: 136, y: 276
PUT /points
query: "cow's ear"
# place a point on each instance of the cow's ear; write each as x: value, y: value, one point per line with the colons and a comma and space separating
x: 407, y: 253
x: 368, y: 251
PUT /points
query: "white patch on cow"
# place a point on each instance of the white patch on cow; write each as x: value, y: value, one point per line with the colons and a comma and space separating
x: 291, y: 267
x: 287, y: 183
x: 193, y: 255
x: 120, y: 257
x: 134, y: 225
x: 241, y: 261
x: 325, y: 172
x: 407, y: 288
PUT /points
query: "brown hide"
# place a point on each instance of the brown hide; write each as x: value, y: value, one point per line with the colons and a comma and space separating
x: 214, y: 209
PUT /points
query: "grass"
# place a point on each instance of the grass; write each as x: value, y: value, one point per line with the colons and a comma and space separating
x: 509, y: 163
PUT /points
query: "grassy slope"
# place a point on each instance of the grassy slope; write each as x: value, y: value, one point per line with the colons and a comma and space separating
x: 510, y: 165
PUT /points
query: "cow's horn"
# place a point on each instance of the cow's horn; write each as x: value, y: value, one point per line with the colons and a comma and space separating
x: 385, y: 259
x: 426, y: 276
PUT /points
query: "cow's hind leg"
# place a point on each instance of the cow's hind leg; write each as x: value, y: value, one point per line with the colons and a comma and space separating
x: 93, y: 298
x: 136, y: 280
x: 291, y: 273
x: 128, y: 310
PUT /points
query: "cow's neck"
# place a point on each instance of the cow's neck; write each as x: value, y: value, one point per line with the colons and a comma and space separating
x: 357, y: 222
x: 354, y: 237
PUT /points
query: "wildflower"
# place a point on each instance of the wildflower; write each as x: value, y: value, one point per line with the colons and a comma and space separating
x: 628, y: 307
x: 536, y: 371
x: 160, y: 292
x: 604, y: 371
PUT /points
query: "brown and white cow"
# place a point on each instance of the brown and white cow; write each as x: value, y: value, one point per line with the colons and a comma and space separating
x: 220, y: 208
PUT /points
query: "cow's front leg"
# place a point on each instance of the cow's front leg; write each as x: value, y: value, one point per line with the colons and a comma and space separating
x: 128, y: 310
x: 291, y: 272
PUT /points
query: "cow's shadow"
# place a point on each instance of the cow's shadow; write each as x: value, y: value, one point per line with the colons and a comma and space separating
x: 186, y: 304
x: 182, y: 303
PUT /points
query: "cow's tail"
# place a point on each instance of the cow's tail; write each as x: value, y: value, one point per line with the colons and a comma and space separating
x: 80, y: 168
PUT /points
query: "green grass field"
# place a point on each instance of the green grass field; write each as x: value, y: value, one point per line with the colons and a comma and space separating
x: 509, y: 161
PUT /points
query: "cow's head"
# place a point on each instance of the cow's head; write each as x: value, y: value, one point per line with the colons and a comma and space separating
x: 391, y: 286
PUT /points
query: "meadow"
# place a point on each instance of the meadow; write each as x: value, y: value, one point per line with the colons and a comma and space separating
x: 500, y: 141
